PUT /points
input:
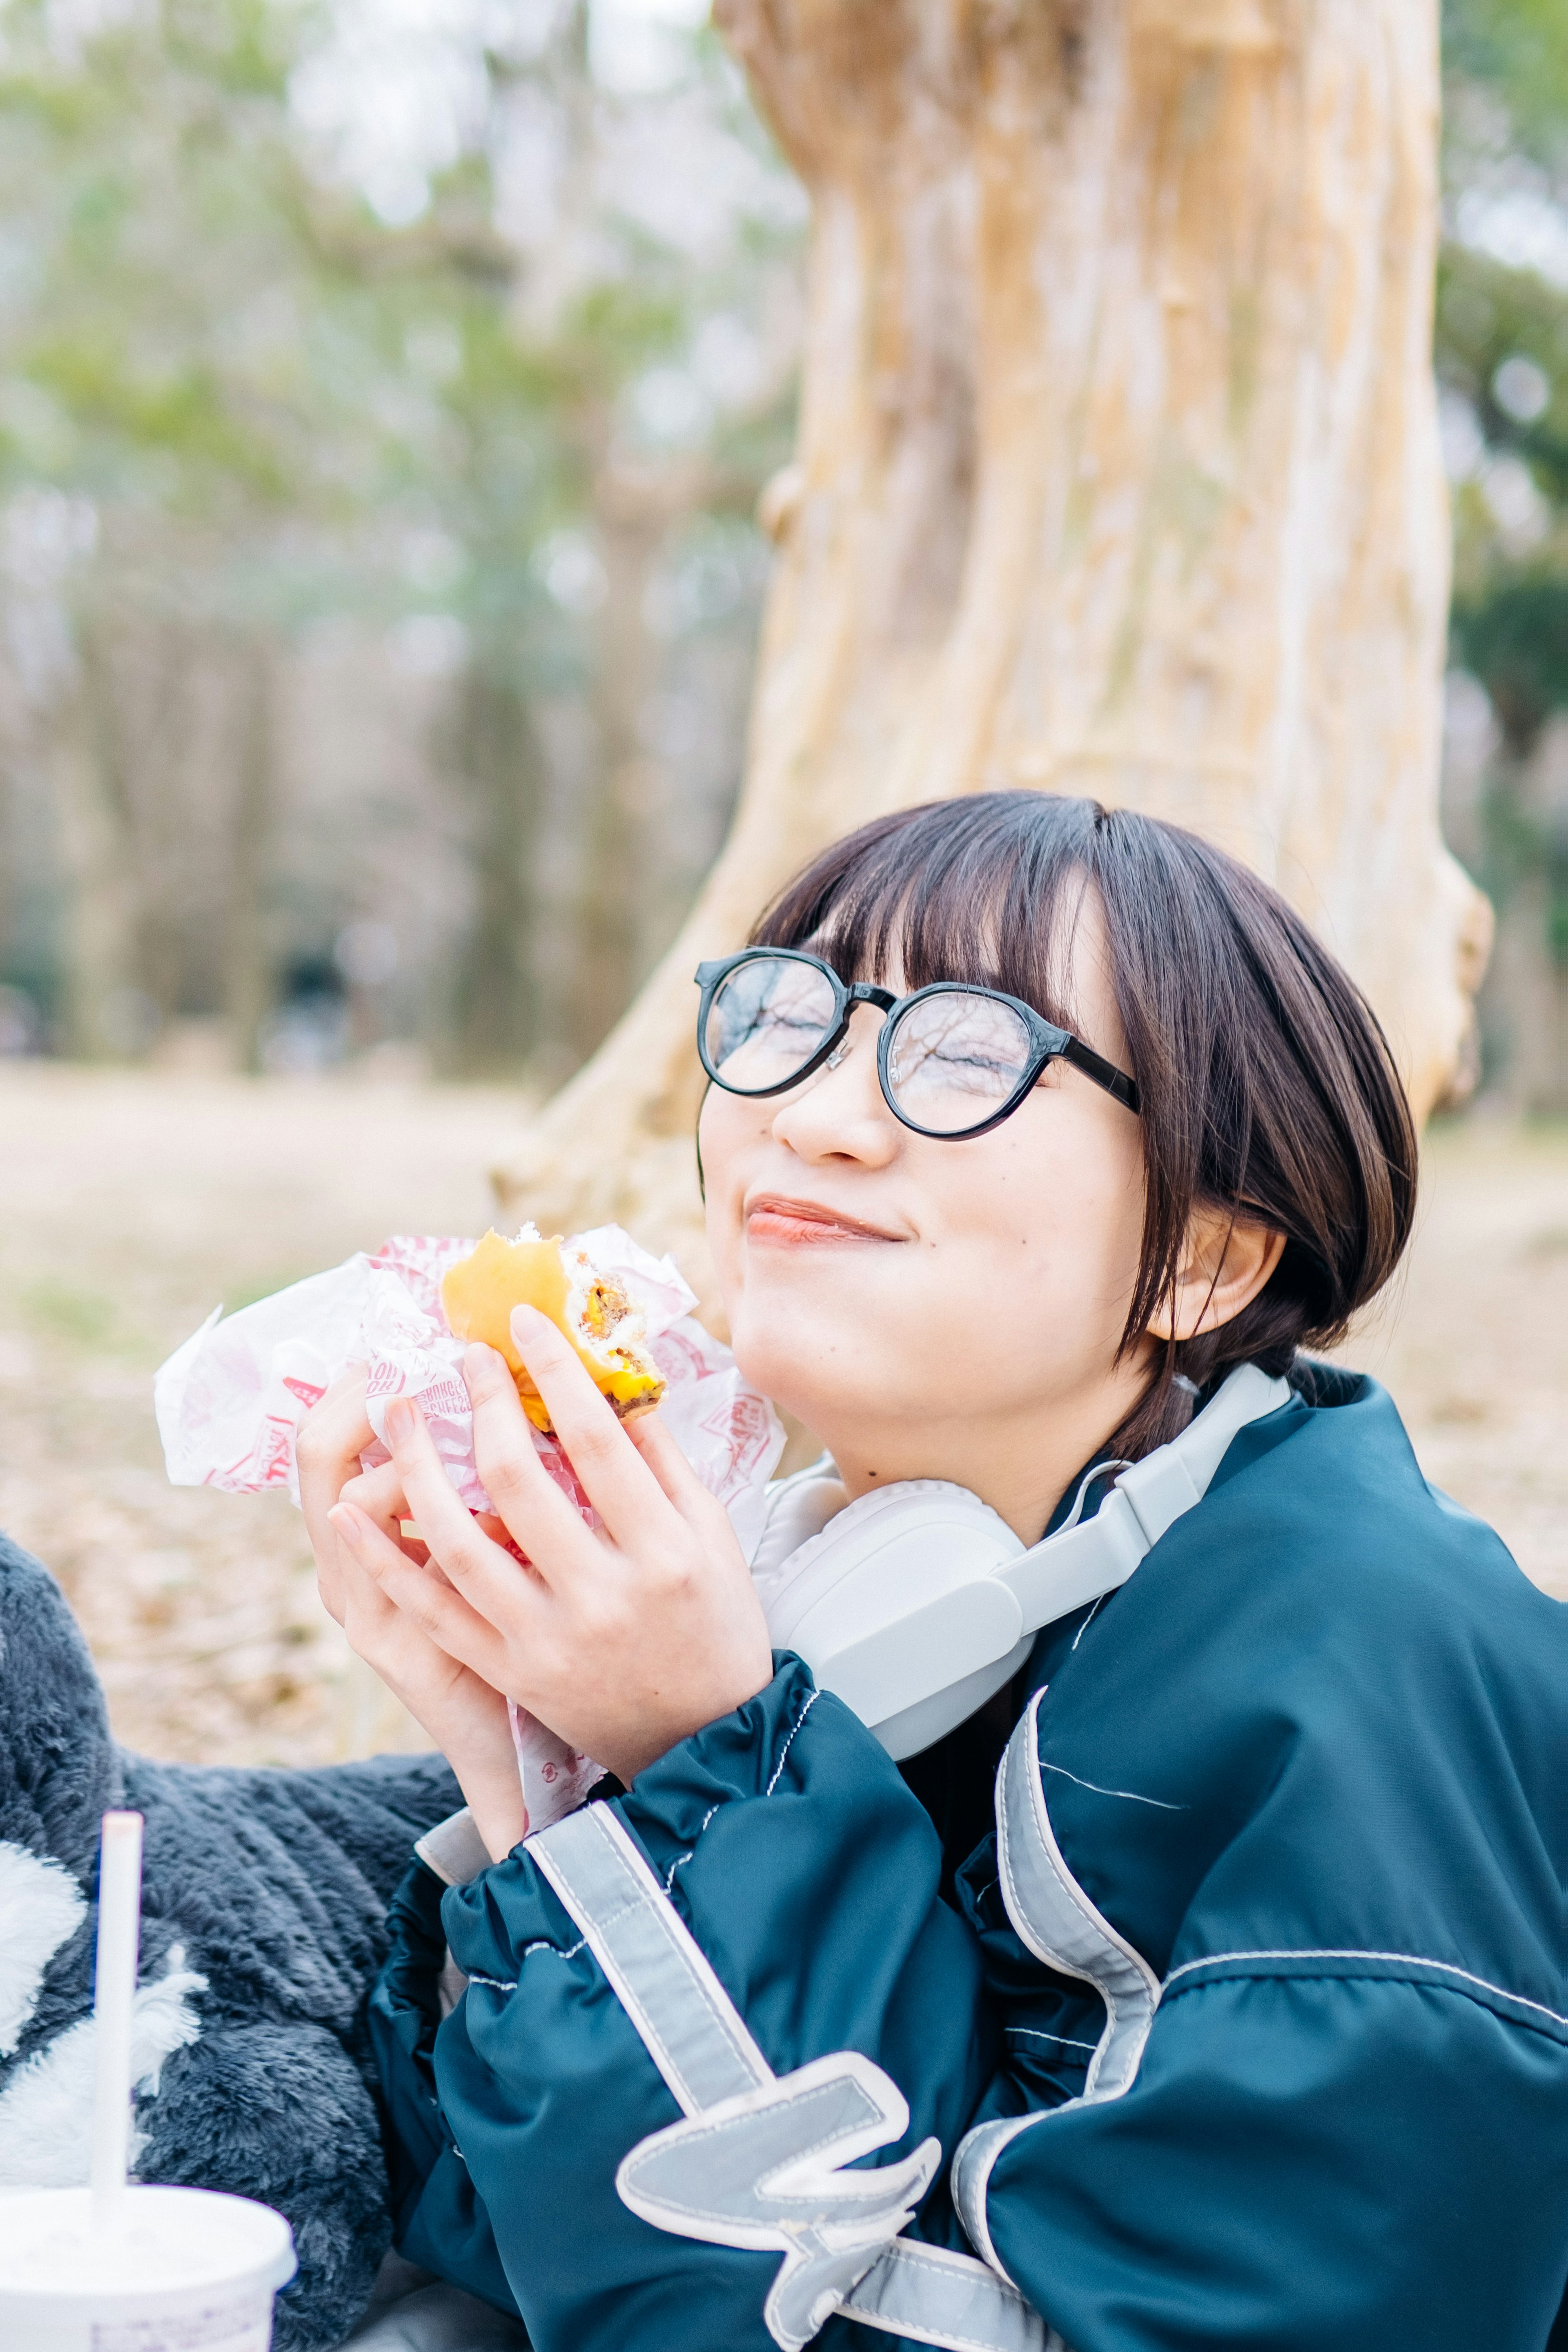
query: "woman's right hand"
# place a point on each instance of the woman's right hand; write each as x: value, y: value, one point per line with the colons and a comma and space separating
x: 461, y: 1712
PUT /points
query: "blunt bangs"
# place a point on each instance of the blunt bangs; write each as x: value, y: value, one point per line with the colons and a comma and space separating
x: 976, y: 890
x: 1268, y: 1089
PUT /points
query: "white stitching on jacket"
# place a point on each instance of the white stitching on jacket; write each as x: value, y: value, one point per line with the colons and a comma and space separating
x: 1395, y: 1960
x: 789, y: 1742
x: 1095, y: 1789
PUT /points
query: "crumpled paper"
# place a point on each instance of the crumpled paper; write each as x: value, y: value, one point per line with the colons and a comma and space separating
x: 229, y: 1404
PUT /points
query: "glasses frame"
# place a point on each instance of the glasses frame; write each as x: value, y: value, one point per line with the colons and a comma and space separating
x: 1047, y: 1042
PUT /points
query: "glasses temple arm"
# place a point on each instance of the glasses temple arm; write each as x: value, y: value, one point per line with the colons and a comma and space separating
x: 1104, y: 1074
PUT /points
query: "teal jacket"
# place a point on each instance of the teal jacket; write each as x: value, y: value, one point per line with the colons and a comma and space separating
x: 1252, y: 2031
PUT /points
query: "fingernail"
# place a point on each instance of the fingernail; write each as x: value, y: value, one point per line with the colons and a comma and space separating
x: 531, y: 1317
x: 345, y: 1518
x: 399, y: 1418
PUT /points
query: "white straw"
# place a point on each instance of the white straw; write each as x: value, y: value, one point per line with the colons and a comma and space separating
x: 119, y: 1935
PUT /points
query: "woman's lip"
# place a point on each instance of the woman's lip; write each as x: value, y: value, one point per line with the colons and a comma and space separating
x: 772, y: 1218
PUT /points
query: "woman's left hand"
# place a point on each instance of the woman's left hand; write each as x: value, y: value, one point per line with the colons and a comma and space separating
x: 464, y: 1716
x: 623, y: 1642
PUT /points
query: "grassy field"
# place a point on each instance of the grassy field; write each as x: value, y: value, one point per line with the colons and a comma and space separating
x: 131, y: 1204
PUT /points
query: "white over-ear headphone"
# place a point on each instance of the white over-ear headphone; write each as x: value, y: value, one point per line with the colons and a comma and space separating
x: 914, y: 1605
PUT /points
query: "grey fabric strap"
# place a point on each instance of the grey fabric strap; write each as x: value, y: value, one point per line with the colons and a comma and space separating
x: 759, y: 2159
x: 1079, y: 1562
x: 1056, y: 1920
x: 691, y: 2027
x: 932, y: 2296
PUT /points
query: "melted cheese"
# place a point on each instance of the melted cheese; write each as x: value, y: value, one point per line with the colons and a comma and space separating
x: 592, y: 1310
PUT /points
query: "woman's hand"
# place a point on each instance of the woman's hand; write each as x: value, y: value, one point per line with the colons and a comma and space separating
x: 623, y: 1642
x: 464, y: 1715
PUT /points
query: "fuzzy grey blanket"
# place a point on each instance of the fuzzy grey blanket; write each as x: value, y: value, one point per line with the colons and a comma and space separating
x: 262, y: 1931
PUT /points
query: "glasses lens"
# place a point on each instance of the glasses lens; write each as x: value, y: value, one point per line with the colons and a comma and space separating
x: 953, y: 1059
x: 767, y: 1019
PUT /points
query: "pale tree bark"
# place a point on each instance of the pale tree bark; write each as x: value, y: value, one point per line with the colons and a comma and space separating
x: 1118, y: 474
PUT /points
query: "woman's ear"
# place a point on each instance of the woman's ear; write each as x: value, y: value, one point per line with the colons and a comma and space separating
x: 1225, y: 1263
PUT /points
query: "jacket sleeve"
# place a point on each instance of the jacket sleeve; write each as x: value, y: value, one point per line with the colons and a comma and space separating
x: 807, y: 1876
x: 437, y: 2219
x: 1283, y: 2143
x: 1303, y: 2158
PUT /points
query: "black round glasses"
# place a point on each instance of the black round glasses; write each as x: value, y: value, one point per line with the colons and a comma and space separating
x: 953, y: 1060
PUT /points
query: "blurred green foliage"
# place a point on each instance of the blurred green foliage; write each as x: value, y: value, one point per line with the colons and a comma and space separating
x: 1516, y: 50
x: 1501, y: 350
x: 269, y: 404
x: 204, y: 329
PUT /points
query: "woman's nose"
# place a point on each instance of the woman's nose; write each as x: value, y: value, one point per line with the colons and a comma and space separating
x: 839, y: 1112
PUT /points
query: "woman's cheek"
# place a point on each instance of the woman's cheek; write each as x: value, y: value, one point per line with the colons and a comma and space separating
x: 719, y: 1149
x: 1061, y: 1225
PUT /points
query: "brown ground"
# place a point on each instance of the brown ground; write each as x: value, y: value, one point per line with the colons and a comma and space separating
x: 130, y: 1203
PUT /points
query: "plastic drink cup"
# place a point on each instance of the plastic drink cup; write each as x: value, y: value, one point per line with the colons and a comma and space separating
x: 184, y: 2270
x: 113, y: 2268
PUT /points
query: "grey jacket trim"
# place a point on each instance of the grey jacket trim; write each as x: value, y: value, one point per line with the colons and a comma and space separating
x: 761, y: 2161
x: 932, y: 2296
x: 661, y: 1977
x: 1056, y: 1920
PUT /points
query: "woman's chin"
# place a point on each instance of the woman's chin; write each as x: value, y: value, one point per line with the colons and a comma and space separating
x: 816, y: 1371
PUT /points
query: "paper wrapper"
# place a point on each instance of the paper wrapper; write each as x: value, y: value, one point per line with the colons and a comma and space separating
x: 230, y: 1402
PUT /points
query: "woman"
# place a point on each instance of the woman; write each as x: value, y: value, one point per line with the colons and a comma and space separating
x: 1240, y: 2018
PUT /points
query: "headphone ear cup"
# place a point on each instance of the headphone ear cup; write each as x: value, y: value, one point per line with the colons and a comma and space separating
x: 897, y: 1607
x: 914, y: 1605
x: 797, y: 1508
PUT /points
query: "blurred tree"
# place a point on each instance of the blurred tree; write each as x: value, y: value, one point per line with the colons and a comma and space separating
x: 272, y: 382
x: 1118, y: 473
x: 1502, y: 362
x: 204, y: 355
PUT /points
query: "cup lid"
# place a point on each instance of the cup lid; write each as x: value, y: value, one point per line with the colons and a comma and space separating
x: 171, y: 2238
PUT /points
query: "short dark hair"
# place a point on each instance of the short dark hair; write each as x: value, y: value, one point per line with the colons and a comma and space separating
x: 1267, y: 1085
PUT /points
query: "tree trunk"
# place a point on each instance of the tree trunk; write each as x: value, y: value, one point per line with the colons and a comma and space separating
x: 1118, y: 474
x: 494, y: 1009
x: 631, y: 519
x: 119, y: 740
x: 106, y: 922
x: 100, y: 961
x: 247, y: 969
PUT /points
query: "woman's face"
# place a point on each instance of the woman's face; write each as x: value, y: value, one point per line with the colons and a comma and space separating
x: 928, y: 1306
